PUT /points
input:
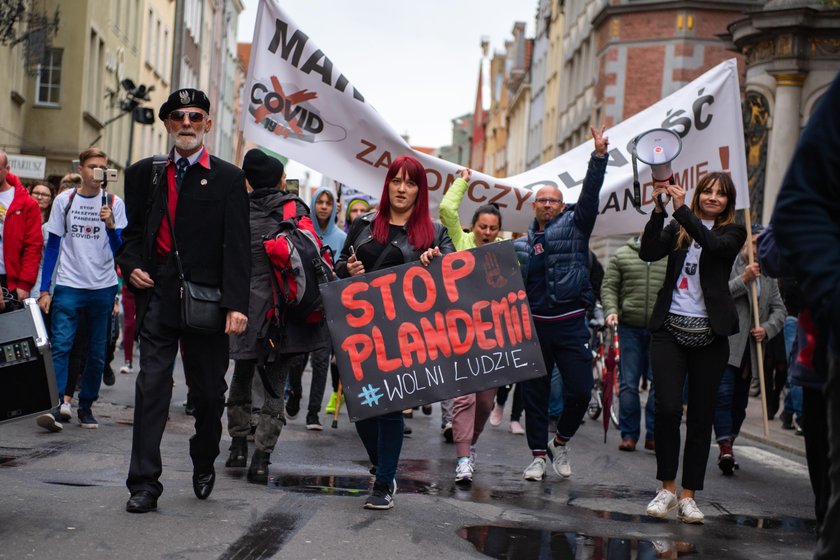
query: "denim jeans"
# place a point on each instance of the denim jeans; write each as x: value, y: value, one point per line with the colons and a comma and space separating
x: 793, y: 399
x: 555, y: 398
x: 634, y: 363
x: 731, y: 406
x: 382, y: 437
x: 66, y: 308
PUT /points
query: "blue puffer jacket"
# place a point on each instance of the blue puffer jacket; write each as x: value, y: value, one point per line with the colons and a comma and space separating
x: 567, y: 242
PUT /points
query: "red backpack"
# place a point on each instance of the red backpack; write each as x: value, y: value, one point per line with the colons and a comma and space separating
x: 299, y: 263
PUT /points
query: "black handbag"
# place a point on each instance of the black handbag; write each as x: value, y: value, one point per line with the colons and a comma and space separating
x: 690, y: 332
x: 201, y: 305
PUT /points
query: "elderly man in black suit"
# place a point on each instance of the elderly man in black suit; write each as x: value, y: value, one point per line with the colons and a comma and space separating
x: 208, y: 210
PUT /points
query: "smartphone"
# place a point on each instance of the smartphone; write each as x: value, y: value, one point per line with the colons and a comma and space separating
x: 105, y: 175
x: 292, y: 186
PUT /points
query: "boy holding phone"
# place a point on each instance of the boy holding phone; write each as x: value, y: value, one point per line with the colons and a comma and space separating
x: 84, y: 234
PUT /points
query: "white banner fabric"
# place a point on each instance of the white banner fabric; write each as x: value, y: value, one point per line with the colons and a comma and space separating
x: 297, y: 103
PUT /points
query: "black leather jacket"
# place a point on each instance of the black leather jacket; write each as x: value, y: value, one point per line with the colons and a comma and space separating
x: 360, y: 233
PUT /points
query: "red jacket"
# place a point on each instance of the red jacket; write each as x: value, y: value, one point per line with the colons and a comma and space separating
x: 22, y: 238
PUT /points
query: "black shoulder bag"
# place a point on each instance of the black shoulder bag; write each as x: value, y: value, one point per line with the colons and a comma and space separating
x: 201, y: 305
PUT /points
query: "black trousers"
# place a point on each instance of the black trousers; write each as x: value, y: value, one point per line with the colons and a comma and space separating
x: 205, y: 363
x: 815, y: 428
x: 828, y: 545
x: 704, y: 368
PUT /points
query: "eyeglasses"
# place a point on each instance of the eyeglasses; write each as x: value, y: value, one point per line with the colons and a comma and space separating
x: 42, y: 195
x: 551, y: 201
x: 194, y: 116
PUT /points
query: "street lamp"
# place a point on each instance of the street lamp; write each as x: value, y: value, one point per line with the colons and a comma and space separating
x: 135, y: 95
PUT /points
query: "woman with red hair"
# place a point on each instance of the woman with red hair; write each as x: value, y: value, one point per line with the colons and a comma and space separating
x: 400, y: 232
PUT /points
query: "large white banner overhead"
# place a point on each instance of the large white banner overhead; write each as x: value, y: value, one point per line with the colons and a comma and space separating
x: 299, y: 104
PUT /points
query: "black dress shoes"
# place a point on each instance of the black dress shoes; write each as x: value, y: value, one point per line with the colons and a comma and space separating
x: 141, y: 502
x: 203, y: 483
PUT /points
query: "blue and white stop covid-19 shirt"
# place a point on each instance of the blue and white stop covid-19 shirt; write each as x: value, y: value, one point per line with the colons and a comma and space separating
x: 85, y: 261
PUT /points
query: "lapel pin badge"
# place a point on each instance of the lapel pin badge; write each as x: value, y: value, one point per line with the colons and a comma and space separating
x: 203, y: 182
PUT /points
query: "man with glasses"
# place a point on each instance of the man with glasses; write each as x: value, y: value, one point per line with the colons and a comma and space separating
x: 84, y: 234
x: 554, y: 260
x: 20, y: 235
x: 205, y: 201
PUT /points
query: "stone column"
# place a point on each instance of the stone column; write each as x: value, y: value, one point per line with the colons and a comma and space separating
x: 783, y: 136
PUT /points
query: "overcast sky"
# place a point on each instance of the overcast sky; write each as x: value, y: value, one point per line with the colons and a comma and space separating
x: 438, y: 41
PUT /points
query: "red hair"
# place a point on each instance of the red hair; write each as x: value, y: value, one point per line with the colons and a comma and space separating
x: 421, y: 232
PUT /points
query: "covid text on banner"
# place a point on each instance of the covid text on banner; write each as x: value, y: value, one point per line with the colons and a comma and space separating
x: 413, y: 335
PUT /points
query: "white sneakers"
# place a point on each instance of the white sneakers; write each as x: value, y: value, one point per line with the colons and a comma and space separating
x: 463, y: 472
x: 496, y: 414
x: 665, y: 501
x: 688, y: 512
x: 65, y: 411
x: 536, y: 470
x: 559, y: 455
x: 516, y: 428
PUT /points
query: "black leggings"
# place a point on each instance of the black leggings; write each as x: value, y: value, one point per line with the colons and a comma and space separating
x: 704, y: 368
x: 518, y: 403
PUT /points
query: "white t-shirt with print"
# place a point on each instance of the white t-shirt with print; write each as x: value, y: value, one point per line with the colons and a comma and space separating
x: 86, y: 261
x: 6, y: 199
x: 688, y: 294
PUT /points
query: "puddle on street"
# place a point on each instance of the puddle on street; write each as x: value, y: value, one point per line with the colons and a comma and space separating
x: 628, y: 517
x: 525, y: 544
x: 781, y: 523
x: 344, y: 485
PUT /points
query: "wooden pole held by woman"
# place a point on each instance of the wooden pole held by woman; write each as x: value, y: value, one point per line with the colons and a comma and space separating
x: 759, y: 346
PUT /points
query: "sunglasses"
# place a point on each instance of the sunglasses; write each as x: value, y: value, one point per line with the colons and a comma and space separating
x: 194, y: 116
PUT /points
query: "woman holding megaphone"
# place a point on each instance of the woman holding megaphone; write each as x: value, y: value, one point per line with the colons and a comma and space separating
x: 691, y: 320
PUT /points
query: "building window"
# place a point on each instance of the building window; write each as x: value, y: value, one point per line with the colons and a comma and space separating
x: 49, y: 78
x: 150, y: 38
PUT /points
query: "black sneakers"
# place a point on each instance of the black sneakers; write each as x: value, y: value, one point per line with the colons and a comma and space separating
x: 86, y: 419
x: 381, y: 497
x: 50, y: 421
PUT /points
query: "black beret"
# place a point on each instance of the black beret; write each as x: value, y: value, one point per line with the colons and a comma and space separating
x: 181, y: 98
x: 262, y: 170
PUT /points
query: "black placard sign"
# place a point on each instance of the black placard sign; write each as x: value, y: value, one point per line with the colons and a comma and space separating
x: 413, y: 335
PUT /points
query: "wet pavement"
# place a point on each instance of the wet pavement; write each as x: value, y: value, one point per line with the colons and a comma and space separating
x: 64, y: 494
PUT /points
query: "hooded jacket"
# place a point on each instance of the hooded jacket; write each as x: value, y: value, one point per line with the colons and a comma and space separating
x: 631, y: 285
x: 22, y: 238
x: 332, y: 236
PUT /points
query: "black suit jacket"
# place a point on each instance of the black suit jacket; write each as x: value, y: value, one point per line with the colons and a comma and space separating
x: 720, y: 248
x: 211, y: 228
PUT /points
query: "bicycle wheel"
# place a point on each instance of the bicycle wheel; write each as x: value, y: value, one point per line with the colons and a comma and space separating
x: 595, y: 407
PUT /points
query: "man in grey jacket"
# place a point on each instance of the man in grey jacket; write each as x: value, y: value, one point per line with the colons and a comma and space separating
x: 628, y: 294
x: 733, y: 392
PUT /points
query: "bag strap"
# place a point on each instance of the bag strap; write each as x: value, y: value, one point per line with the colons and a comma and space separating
x: 289, y: 210
x: 67, y: 208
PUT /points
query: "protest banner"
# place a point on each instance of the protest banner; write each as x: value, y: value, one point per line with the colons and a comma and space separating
x: 299, y: 104
x: 412, y: 335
